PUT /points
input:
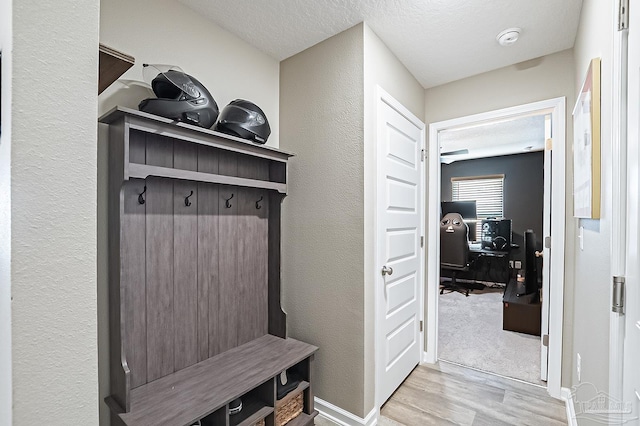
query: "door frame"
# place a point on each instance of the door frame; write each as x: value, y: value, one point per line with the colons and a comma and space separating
x: 557, y: 108
x: 381, y: 96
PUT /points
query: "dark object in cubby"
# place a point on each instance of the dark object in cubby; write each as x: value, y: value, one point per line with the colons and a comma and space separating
x: 522, y: 314
x: 283, y: 387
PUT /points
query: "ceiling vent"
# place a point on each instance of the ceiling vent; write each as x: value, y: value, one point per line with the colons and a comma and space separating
x: 508, y: 36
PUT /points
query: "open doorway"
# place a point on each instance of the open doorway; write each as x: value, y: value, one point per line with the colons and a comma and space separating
x: 480, y: 330
x: 489, y: 310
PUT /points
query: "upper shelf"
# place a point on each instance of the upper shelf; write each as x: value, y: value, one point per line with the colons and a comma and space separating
x: 149, y: 145
x: 113, y: 64
x: 176, y: 129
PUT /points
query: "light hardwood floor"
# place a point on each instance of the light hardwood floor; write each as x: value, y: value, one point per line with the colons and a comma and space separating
x: 448, y: 394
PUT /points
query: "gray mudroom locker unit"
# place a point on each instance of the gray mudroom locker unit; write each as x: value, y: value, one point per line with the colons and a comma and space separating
x: 194, y: 277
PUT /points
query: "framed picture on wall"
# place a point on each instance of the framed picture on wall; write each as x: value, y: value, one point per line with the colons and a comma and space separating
x: 586, y: 146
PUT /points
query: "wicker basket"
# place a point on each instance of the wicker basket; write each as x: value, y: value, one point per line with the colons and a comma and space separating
x: 259, y: 423
x: 290, y: 410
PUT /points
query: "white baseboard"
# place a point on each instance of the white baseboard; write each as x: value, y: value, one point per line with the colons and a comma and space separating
x: 565, y: 395
x: 428, y: 358
x: 343, y: 417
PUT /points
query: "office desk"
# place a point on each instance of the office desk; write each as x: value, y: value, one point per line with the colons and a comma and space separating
x: 485, y: 266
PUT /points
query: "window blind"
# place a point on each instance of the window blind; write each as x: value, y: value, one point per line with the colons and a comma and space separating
x: 487, y: 191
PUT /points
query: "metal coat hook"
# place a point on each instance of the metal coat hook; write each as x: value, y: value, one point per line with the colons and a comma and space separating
x: 227, y: 203
x: 140, y: 197
x: 258, y: 206
x: 187, y: 202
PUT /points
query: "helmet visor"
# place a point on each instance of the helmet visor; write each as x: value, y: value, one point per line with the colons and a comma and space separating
x: 172, y: 76
x: 240, y: 115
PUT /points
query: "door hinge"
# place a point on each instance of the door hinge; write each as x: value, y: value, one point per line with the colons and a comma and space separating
x: 423, y: 155
x: 420, y: 325
x: 548, y: 146
x: 617, y: 300
x: 547, y: 242
x: 545, y: 340
x: 623, y: 15
x: 421, y: 241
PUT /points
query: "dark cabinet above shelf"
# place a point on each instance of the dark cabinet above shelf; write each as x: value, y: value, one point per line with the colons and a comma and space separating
x: 112, y: 64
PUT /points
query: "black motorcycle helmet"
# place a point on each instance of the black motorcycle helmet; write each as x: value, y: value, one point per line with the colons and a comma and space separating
x: 180, y: 97
x: 244, y: 119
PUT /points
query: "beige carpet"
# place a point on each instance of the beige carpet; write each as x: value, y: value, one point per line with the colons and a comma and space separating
x: 470, y: 333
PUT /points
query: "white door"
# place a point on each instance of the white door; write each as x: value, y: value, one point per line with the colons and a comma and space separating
x: 399, y: 216
x: 546, y: 252
x: 631, y: 363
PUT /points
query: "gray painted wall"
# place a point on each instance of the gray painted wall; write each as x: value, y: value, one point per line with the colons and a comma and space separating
x: 327, y: 118
x: 592, y: 299
x: 321, y: 121
x: 542, y: 78
x: 523, y: 190
x: 53, y: 212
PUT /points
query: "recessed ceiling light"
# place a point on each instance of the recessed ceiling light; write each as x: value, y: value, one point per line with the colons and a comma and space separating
x: 508, y: 36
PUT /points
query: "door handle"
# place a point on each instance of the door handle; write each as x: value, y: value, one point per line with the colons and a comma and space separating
x: 539, y: 253
x: 387, y: 270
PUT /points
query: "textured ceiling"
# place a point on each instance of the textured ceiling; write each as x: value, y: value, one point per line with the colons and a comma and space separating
x: 502, y: 137
x: 438, y: 40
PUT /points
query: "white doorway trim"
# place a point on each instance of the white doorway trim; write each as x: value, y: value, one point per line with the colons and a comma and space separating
x: 557, y: 108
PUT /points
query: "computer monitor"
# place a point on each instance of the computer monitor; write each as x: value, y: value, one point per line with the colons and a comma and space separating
x: 467, y: 210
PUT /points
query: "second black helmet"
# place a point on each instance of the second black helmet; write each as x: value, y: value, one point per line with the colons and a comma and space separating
x: 244, y: 119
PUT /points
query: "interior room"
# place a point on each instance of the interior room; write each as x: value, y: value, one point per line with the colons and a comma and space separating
x: 227, y: 212
x: 492, y: 175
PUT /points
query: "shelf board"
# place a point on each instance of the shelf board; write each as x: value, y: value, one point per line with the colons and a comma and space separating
x: 252, y: 411
x: 196, y: 391
x: 156, y: 124
x: 303, y: 419
x: 112, y: 64
x: 143, y: 171
x: 288, y: 397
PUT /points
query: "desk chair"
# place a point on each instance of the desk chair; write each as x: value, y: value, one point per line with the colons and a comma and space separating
x: 454, y: 249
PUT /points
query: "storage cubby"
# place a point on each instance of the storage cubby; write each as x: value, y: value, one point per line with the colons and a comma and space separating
x: 194, y: 276
x: 256, y: 404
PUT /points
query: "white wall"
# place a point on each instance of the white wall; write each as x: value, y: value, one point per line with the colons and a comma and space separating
x: 542, y: 78
x: 5, y: 215
x: 381, y: 68
x: 53, y: 212
x: 592, y: 302
x: 167, y: 32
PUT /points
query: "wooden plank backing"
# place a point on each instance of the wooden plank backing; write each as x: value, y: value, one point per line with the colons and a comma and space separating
x: 186, y: 395
x: 277, y: 318
x: 159, y: 151
x: 160, y: 302
x: 133, y: 280
x: 185, y: 273
x: 229, y: 293
x: 252, y: 269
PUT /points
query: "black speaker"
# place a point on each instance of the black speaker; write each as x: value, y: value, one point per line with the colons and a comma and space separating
x: 496, y: 234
